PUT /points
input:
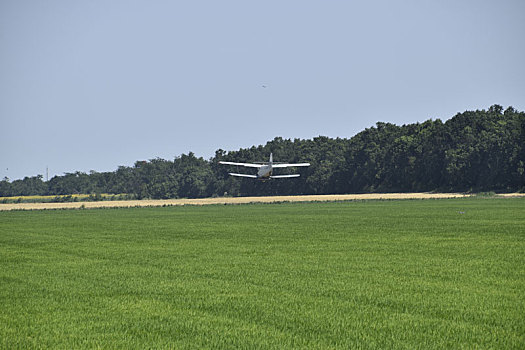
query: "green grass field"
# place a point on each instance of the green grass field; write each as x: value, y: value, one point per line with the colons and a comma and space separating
x: 412, y: 274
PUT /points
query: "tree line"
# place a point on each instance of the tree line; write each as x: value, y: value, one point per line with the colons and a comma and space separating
x: 475, y: 151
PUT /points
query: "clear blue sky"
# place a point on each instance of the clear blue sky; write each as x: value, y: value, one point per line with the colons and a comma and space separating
x: 91, y: 85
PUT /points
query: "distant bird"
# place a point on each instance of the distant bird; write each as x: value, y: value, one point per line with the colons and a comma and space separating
x: 263, y: 86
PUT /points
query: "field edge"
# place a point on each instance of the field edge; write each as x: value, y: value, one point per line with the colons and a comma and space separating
x: 235, y: 200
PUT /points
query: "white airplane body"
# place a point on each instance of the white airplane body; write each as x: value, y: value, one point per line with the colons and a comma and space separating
x: 266, y: 169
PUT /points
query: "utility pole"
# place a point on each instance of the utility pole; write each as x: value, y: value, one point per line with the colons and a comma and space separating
x: 47, y: 174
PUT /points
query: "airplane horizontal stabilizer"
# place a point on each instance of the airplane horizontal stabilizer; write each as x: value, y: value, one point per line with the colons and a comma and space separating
x: 284, y: 176
x: 243, y: 175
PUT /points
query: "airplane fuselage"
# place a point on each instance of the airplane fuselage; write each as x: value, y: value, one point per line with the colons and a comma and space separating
x: 265, y: 172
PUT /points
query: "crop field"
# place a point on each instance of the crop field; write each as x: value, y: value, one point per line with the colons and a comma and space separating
x: 63, y: 198
x: 119, y: 201
x: 413, y: 274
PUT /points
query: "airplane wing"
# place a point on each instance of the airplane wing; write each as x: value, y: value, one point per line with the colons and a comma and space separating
x: 285, y: 165
x: 243, y: 175
x: 283, y: 176
x: 250, y: 165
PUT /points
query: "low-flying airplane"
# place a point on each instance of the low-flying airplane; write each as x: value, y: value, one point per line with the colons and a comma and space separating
x: 265, y: 169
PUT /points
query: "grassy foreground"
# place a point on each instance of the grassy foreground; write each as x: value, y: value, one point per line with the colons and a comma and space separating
x: 371, y: 274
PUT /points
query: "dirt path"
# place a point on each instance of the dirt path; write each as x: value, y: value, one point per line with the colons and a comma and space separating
x: 229, y: 200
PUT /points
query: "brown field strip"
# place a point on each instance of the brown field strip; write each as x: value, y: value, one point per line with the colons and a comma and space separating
x: 230, y: 200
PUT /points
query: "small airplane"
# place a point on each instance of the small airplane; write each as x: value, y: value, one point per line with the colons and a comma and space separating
x: 265, y: 169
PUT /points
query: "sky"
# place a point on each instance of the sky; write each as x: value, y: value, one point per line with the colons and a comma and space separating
x: 93, y: 85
